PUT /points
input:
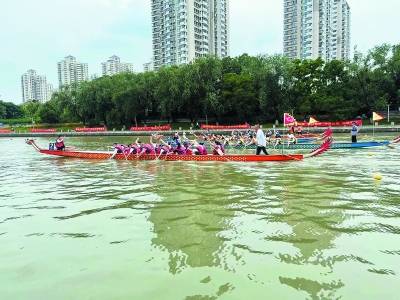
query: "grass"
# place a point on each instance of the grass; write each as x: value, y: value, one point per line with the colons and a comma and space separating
x: 18, y: 121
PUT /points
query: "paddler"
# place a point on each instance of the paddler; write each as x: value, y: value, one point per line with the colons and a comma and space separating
x: 132, y: 148
x: 218, y: 148
x: 118, y: 149
x: 278, y: 138
x: 200, y: 149
x: 179, y: 149
x: 269, y: 136
x: 291, y: 139
x: 156, y: 147
x: 146, y: 149
x: 176, y: 138
x: 165, y: 148
x: 197, y: 148
x: 60, y: 145
x: 188, y: 148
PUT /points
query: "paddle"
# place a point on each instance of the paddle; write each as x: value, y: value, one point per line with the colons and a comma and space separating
x: 113, y: 154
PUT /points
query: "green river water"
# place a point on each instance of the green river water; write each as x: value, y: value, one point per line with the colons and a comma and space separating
x: 321, y: 228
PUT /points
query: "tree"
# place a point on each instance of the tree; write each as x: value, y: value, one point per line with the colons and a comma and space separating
x: 31, y: 109
x: 238, y: 96
x: 9, y: 110
x: 48, y: 113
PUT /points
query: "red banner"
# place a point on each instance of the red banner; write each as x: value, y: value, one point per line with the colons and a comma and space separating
x: 5, y: 131
x: 42, y: 130
x: 93, y: 129
x: 152, y: 128
x: 331, y: 124
x: 223, y: 127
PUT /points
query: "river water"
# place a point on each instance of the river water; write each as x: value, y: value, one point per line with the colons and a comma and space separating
x: 321, y: 228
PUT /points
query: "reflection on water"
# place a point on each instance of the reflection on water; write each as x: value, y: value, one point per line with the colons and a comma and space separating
x: 317, y: 229
x: 191, y: 214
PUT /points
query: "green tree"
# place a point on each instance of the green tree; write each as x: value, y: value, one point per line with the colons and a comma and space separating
x: 31, y: 109
x: 48, y: 113
x: 238, y: 96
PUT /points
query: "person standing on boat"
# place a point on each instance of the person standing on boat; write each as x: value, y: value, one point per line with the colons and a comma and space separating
x: 261, y: 141
x: 354, y: 132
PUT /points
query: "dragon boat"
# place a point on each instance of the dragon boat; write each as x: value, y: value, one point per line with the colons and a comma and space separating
x: 104, y: 155
x: 334, y: 146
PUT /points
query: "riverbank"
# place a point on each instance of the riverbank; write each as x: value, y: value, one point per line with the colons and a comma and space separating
x: 71, y: 133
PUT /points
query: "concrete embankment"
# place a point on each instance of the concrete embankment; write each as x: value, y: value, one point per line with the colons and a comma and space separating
x: 364, y: 129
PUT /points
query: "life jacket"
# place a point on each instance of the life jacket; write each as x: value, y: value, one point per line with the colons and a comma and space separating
x: 157, y: 149
x: 201, y: 150
x: 180, y: 150
x: 165, y: 149
x: 149, y: 149
x: 133, y: 149
x: 120, y: 148
x: 127, y: 150
x: 59, y: 144
x: 189, y: 151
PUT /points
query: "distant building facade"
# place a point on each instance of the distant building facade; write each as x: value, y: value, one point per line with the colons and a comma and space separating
x: 317, y: 28
x: 94, y: 76
x: 114, y: 66
x: 35, y: 87
x: 147, y: 67
x: 70, y: 71
x: 184, y: 30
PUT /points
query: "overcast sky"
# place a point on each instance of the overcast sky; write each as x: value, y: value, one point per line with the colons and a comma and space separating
x: 36, y: 34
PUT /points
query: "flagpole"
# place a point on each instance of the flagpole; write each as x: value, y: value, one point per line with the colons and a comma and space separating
x: 373, y: 129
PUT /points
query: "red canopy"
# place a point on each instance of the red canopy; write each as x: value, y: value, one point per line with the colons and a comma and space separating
x: 331, y: 124
x: 93, y: 129
x: 152, y: 128
x: 222, y: 127
x: 42, y: 130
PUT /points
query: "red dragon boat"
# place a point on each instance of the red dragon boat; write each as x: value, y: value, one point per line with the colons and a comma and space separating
x: 104, y: 155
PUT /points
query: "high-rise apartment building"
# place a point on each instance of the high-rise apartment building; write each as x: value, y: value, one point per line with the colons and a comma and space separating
x: 317, y: 28
x: 114, y: 66
x: 70, y: 71
x: 149, y: 66
x: 184, y: 30
x: 35, y: 87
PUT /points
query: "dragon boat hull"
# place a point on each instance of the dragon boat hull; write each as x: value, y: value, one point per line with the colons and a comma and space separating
x: 173, y: 157
x: 335, y: 146
x: 104, y: 155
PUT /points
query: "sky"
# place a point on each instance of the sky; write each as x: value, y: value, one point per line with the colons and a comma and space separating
x: 37, y: 34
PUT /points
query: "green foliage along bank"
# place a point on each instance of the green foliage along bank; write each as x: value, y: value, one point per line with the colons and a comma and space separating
x: 231, y: 90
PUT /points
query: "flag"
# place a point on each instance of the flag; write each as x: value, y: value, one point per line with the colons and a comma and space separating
x: 312, y: 121
x: 376, y: 117
x: 288, y: 119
